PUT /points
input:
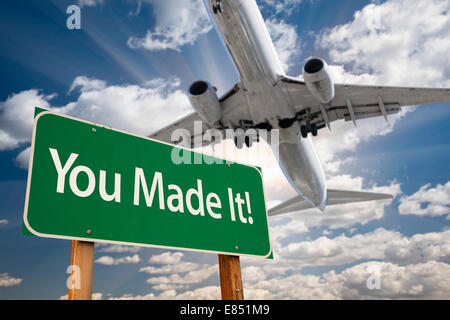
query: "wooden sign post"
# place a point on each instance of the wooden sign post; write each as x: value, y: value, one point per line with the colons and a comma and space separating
x: 82, y: 262
x: 230, y: 277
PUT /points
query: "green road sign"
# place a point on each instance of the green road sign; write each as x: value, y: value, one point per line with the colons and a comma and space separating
x: 90, y: 182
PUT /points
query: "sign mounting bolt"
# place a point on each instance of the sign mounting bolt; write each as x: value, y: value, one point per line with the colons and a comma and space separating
x: 94, y: 130
x: 237, y: 248
x: 88, y: 231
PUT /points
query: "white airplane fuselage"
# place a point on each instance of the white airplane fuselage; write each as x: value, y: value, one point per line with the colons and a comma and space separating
x: 245, y: 34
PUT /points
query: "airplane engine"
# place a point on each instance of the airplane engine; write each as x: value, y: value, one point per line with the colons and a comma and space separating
x: 318, y: 80
x: 204, y: 100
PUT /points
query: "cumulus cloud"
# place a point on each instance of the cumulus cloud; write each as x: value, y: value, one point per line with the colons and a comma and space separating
x: 382, y: 244
x: 109, y: 261
x: 282, y: 6
x: 16, y: 117
x: 191, y: 277
x: 347, y: 215
x: 204, y: 293
x: 178, y: 274
x: 23, y: 158
x: 8, y: 281
x: 416, y: 281
x: 89, y: 3
x: 171, y: 268
x: 286, y: 41
x: 178, y: 23
x: 166, y: 258
x: 287, y: 229
x: 427, y: 201
x: 344, y: 137
x: 94, y: 296
x: 3, y: 222
x: 117, y: 248
x: 87, y: 84
x: 397, y: 43
x: 425, y: 280
x: 137, y: 109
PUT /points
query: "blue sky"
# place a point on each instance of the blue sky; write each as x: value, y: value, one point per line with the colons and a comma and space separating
x: 317, y: 255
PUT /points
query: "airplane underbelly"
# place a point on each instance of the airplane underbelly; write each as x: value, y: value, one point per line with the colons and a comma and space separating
x: 302, y: 167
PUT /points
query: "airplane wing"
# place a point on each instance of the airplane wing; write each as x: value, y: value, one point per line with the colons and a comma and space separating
x: 354, y: 102
x: 333, y: 197
x: 187, y: 122
x: 234, y: 108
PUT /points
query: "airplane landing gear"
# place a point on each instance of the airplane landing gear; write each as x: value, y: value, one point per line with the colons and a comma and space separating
x: 217, y: 7
x: 246, y: 138
x: 287, y: 122
x: 304, y: 130
x: 313, y: 130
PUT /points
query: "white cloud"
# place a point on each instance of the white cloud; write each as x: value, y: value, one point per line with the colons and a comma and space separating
x: 168, y: 287
x: 282, y: 6
x: 178, y: 23
x: 382, y: 244
x: 191, y: 277
x: 109, y: 261
x: 344, y: 137
x: 426, y: 280
x: 427, y: 201
x: 166, y: 258
x: 178, y: 267
x: 179, y: 279
x: 347, y: 215
x: 204, y: 293
x: 180, y: 272
x: 94, y: 296
x: 285, y: 40
x: 411, y: 270
x: 395, y: 42
x: 210, y: 292
x: 87, y: 84
x: 287, y: 229
x: 3, y: 222
x: 23, y: 158
x: 8, y: 281
x: 89, y: 3
x: 137, y: 109
x: 417, y: 281
x: 16, y: 117
x: 117, y: 248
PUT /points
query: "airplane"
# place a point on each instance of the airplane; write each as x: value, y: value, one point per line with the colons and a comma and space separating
x: 265, y: 98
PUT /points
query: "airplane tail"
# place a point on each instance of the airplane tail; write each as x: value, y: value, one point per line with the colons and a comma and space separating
x: 333, y: 197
